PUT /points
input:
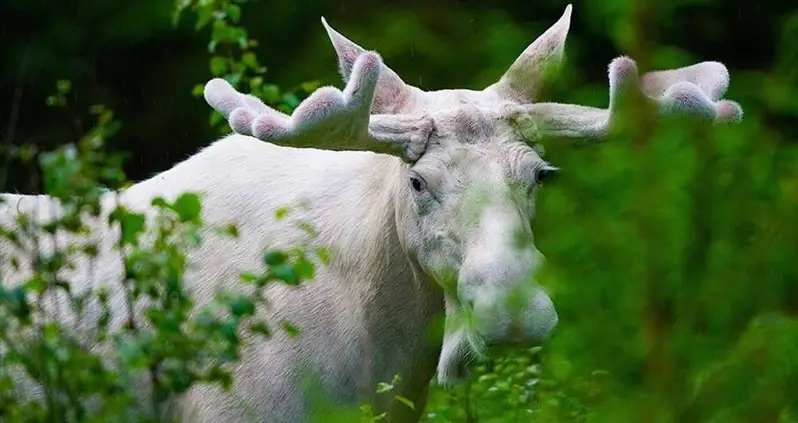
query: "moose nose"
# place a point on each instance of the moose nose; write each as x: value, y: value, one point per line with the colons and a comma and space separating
x: 541, y: 317
x: 518, y: 319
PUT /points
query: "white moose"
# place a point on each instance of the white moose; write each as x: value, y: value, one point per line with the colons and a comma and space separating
x: 434, y: 219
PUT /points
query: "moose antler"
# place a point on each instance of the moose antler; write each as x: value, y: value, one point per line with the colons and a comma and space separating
x: 694, y: 90
x: 327, y: 115
x: 401, y: 128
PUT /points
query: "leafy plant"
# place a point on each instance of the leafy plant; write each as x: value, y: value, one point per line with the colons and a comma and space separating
x: 95, y: 373
x: 233, y: 56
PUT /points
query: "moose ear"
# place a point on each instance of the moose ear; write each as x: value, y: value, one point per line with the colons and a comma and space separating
x: 523, y: 80
x: 391, y: 95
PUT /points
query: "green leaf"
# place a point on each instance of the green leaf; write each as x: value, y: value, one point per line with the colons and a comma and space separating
x: 241, y: 307
x: 308, y: 228
x: 271, y: 93
x: 159, y: 202
x: 240, y: 36
x: 405, y: 401
x: 218, y: 66
x: 36, y: 284
x: 234, y: 12
x: 304, y: 268
x: 133, y: 224
x: 90, y: 250
x: 310, y: 86
x: 261, y: 328
x: 228, y: 331
x: 63, y: 86
x: 214, y: 118
x: 275, y: 258
x: 323, y: 254
x: 230, y: 230
x: 18, y: 302
x: 249, y: 59
x: 250, y: 278
x: 281, y: 213
x: 285, y: 273
x: 234, y: 78
x: 290, y: 329
x: 204, y: 16
x: 198, y: 90
x: 383, y: 387
x: 291, y: 100
x: 188, y: 207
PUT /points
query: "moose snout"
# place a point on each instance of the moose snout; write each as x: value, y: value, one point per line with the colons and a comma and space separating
x: 539, y: 320
x: 506, y: 305
x: 515, y: 318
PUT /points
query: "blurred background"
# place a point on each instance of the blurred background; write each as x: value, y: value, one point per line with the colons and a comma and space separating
x: 674, y: 265
x: 129, y: 56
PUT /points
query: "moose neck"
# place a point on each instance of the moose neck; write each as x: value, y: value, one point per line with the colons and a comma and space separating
x: 367, y: 240
x: 397, y: 301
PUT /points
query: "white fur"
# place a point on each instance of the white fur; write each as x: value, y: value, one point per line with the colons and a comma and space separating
x: 354, y: 332
x: 365, y: 317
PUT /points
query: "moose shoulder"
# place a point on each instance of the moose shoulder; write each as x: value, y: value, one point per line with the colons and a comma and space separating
x: 426, y: 222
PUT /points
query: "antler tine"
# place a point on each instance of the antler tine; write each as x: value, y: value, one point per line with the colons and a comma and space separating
x: 329, y: 118
x: 327, y: 110
x: 693, y: 90
x: 223, y: 98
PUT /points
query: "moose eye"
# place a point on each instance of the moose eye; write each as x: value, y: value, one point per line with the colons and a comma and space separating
x: 545, y: 173
x: 417, y: 183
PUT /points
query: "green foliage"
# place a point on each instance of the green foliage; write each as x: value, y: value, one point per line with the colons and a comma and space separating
x: 233, y: 57
x: 164, y: 341
x: 499, y: 390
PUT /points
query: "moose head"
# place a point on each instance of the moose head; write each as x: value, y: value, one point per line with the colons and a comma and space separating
x: 468, y: 176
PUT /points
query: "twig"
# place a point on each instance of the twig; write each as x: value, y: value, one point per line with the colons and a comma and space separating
x: 471, y: 415
x: 12, y: 124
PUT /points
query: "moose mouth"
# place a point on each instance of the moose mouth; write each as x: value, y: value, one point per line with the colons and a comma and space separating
x: 461, y: 350
x: 483, y: 330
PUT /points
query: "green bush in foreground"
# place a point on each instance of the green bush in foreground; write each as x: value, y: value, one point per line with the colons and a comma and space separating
x: 177, y: 347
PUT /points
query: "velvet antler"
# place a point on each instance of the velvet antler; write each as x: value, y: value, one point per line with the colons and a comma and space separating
x: 691, y: 90
x: 371, y: 87
x: 329, y: 118
x: 694, y: 90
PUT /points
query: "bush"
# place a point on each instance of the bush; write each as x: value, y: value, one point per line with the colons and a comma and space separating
x: 133, y: 372
x: 96, y: 374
